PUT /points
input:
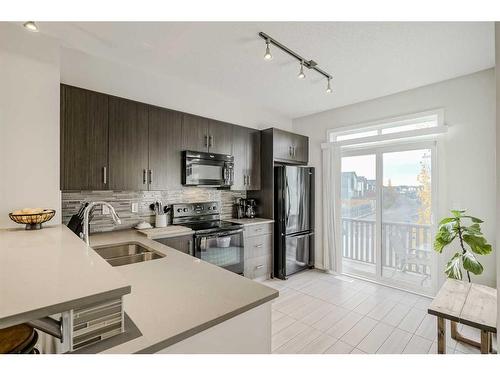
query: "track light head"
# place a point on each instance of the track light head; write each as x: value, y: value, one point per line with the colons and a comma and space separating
x: 328, y: 87
x: 31, y: 26
x: 301, y: 74
x: 267, y: 55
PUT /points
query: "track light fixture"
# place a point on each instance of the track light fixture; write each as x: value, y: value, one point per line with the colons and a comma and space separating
x: 268, y: 55
x: 301, y: 73
x: 309, y: 64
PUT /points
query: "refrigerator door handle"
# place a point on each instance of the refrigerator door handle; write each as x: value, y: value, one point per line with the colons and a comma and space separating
x: 287, y: 216
x: 300, y: 235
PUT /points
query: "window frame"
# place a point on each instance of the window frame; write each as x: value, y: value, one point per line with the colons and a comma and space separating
x: 387, y: 123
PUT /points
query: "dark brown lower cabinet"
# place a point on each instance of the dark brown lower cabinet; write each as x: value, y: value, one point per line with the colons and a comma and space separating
x: 128, y: 145
x: 84, y: 139
x: 181, y: 243
x: 165, y: 149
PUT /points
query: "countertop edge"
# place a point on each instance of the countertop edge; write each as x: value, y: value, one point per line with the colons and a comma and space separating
x: 43, y: 312
x: 202, y: 327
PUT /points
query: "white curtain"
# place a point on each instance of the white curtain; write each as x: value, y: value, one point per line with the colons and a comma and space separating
x: 331, y: 196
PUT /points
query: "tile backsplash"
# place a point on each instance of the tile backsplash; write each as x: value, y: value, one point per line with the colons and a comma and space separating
x: 122, y: 202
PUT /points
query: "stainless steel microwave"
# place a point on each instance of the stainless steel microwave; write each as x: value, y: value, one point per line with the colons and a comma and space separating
x: 207, y: 169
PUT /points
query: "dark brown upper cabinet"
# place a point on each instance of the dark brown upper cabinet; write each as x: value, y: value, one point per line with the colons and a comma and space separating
x: 165, y: 149
x: 128, y: 145
x: 239, y: 151
x: 118, y: 144
x: 246, y: 152
x: 205, y: 135
x: 253, y: 159
x: 290, y: 147
x: 84, y: 139
x: 194, y: 133
x: 219, y: 137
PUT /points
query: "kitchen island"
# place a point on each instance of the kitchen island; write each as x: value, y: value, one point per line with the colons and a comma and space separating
x: 181, y: 304
x: 177, y: 302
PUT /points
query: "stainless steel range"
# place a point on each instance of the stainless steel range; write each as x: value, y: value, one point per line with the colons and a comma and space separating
x: 215, y: 241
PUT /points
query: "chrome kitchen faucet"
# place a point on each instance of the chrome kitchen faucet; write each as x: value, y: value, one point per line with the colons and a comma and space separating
x: 86, y: 220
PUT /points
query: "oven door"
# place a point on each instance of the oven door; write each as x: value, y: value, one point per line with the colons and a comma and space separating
x: 224, y: 249
x: 206, y: 172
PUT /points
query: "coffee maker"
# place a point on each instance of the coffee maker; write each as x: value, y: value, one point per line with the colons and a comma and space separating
x: 245, y: 208
x: 251, y: 208
x: 240, y: 207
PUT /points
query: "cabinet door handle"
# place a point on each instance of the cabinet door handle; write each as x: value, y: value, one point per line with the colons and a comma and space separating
x: 211, y: 141
x: 259, y: 246
x: 144, y: 177
x: 244, y: 179
x: 293, y: 151
x: 259, y: 229
x: 150, y: 176
x: 206, y: 141
x: 259, y: 266
x: 248, y: 180
x: 104, y: 175
x: 290, y: 151
x: 190, y: 247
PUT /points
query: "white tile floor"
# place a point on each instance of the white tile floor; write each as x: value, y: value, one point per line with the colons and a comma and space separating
x: 321, y: 313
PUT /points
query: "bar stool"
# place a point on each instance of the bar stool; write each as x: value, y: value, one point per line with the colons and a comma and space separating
x: 20, y: 339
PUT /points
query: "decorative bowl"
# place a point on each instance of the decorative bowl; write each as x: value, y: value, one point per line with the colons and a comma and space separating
x: 33, y: 221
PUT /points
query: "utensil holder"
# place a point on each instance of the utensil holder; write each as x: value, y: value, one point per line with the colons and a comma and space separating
x: 160, y: 221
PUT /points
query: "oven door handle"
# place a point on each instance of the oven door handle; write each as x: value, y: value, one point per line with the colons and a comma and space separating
x: 219, y: 234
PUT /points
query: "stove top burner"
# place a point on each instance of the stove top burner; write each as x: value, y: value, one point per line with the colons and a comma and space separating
x: 212, y: 226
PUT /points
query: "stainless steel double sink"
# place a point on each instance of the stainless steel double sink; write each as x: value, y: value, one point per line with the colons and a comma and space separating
x: 126, y: 253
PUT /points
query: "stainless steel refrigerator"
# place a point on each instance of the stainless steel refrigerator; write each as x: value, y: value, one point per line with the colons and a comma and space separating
x: 294, y: 219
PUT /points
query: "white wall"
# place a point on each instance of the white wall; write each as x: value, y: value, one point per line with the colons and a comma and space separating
x: 29, y: 123
x: 467, y: 166
x: 83, y: 70
x: 497, y: 76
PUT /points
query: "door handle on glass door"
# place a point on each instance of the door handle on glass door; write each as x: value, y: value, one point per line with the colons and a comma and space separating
x: 144, y: 177
x: 150, y: 176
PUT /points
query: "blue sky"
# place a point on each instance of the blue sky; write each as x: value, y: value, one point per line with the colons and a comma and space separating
x: 401, y: 167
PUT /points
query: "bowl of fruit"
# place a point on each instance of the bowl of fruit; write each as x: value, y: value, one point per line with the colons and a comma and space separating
x: 32, y: 217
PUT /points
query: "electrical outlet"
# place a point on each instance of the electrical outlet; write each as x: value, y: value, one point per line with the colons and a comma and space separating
x: 135, y: 207
x: 105, y: 210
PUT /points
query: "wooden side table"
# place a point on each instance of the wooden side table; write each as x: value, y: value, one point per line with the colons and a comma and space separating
x: 470, y: 304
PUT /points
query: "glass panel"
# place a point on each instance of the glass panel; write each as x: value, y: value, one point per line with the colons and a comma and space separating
x: 345, y: 137
x: 358, y: 196
x: 206, y: 172
x: 414, y: 126
x: 225, y: 251
x: 406, y: 218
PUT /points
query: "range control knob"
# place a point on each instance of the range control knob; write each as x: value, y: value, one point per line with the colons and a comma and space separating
x: 179, y: 210
x: 214, y: 207
x: 185, y: 210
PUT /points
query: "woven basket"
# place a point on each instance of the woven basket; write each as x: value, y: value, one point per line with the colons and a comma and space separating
x: 33, y: 221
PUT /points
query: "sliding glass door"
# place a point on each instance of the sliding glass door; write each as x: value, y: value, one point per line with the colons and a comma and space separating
x: 387, y: 196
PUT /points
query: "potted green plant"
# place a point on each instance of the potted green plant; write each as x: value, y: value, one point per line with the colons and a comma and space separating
x: 471, y: 242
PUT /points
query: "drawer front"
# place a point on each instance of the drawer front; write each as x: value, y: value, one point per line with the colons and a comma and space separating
x: 258, y: 246
x: 258, y: 267
x: 259, y: 229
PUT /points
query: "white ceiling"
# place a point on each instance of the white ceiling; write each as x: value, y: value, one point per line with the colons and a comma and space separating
x: 367, y: 60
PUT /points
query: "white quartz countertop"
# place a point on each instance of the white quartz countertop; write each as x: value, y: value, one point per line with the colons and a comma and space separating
x: 254, y: 221
x: 47, y: 271
x: 178, y: 295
